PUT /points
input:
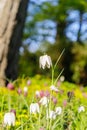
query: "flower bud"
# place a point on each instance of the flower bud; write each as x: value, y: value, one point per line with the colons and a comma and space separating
x: 70, y: 95
x: 10, y: 86
x: 14, y: 111
x: 37, y: 94
x: 54, y: 99
x: 25, y: 91
x: 28, y: 82
x: 19, y: 91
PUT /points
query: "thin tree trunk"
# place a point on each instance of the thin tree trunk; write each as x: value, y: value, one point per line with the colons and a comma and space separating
x: 12, y: 17
x: 80, y: 26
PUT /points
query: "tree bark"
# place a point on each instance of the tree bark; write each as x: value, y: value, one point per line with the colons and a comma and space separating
x: 12, y: 18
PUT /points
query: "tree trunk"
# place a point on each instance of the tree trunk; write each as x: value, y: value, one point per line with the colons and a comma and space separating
x: 62, y: 43
x: 80, y: 27
x: 12, y: 18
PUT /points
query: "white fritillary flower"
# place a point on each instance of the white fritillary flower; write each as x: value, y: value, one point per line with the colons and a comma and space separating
x: 58, y: 110
x: 53, y: 88
x: 44, y: 101
x: 51, y: 114
x: 45, y: 61
x: 34, y: 108
x: 81, y: 109
x: 9, y: 119
x: 37, y: 93
x: 62, y: 78
x: 25, y: 89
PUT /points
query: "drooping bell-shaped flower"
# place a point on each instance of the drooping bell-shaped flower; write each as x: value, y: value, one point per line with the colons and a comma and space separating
x: 25, y: 91
x: 53, y: 88
x: 51, y: 114
x: 44, y: 101
x: 37, y: 94
x: 34, y: 108
x: 81, y: 109
x: 62, y: 78
x: 58, y: 110
x: 45, y: 61
x: 9, y: 119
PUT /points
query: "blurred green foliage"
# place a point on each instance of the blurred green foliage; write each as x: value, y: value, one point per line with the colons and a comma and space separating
x: 79, y: 64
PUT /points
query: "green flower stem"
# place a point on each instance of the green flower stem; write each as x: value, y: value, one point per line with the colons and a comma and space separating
x: 53, y: 68
x: 58, y: 76
x: 52, y: 74
x: 50, y: 124
x: 40, y: 116
x: 59, y: 58
x: 47, y: 112
x: 22, y: 125
x: 50, y: 107
x: 19, y: 102
x: 31, y: 121
x: 25, y: 102
x: 9, y: 101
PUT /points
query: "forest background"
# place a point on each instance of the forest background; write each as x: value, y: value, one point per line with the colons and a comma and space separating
x: 51, y: 26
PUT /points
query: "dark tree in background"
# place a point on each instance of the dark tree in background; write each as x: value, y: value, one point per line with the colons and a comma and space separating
x: 12, y: 18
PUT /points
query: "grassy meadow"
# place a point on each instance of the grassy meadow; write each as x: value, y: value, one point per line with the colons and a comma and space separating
x: 70, y: 101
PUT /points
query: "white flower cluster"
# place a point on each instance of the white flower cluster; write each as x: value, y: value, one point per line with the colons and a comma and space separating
x: 34, y: 108
x: 53, y: 114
